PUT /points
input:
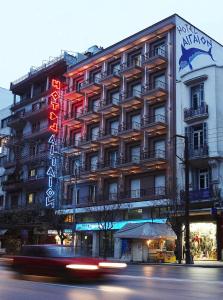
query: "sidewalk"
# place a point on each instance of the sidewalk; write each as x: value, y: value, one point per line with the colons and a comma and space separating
x: 199, y: 264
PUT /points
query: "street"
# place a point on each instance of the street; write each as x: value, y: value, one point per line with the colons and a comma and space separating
x: 137, y: 282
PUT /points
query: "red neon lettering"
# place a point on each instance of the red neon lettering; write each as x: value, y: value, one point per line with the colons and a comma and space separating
x: 54, y: 106
x: 55, y: 95
x: 54, y: 127
x: 53, y: 116
x: 56, y: 84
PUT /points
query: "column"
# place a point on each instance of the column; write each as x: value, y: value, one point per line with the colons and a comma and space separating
x: 117, y: 248
x: 95, y: 244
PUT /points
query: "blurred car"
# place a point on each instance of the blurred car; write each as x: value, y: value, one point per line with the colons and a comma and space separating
x: 60, y: 261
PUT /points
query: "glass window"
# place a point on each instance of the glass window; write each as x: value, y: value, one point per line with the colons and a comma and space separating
x: 160, y: 182
x: 30, y: 199
x: 160, y: 49
x: 160, y: 81
x: 198, y: 137
x: 136, y: 121
x: 135, y: 188
x: 115, y: 98
x: 197, y: 96
x: 203, y: 179
x: 160, y: 147
x: 94, y: 162
x: 113, y: 157
x: 159, y: 113
x: 114, y: 127
x: 32, y: 173
x: 112, y: 191
x: 94, y: 133
x: 136, y: 90
x: 135, y: 154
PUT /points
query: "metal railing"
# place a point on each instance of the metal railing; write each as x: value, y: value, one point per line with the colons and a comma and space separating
x: 158, y: 84
x: 202, y: 194
x: 131, y: 64
x: 192, y: 112
x: 153, y: 119
x: 89, y: 81
x: 199, y: 152
x: 154, y: 53
x: 105, y: 74
x: 129, y: 126
x: 160, y: 191
x: 87, y: 110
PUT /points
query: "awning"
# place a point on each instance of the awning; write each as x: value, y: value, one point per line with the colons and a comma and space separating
x: 9, y: 171
x: 148, y: 231
x: 3, y: 231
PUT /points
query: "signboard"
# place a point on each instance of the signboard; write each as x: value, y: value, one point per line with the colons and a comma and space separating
x: 116, y: 225
x: 53, y: 143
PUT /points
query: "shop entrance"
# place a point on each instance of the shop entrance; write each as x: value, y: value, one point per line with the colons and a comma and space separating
x: 203, y: 237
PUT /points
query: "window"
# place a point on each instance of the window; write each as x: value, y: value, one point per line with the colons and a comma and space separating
x: 94, y: 104
x: 159, y: 148
x: 135, y: 154
x: 4, y: 122
x: 136, y: 121
x: 160, y: 81
x: 70, y: 191
x: 136, y: 90
x: 159, y: 113
x: 114, y: 67
x: 114, y: 127
x: 92, y: 193
x: 32, y: 173
x: 135, y: 188
x: 93, y: 163
x: 160, y: 183
x: 113, y: 158
x: 114, y: 98
x: 198, y: 137
x: 1, y: 201
x: 134, y: 58
x: 112, y: 191
x: 159, y: 49
x: 203, y: 179
x: 30, y: 198
x: 94, y: 133
x: 197, y: 96
x: 36, y: 126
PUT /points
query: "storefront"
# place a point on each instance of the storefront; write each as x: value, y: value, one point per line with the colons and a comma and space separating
x: 148, y: 242
x: 203, y: 239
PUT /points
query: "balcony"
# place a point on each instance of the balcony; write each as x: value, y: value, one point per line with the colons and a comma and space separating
x: 132, y: 68
x: 89, y: 142
x: 109, y: 108
x: 110, y: 78
x: 90, y: 86
x: 155, y: 92
x: 155, y: 125
x: 155, y: 58
x: 108, y: 168
x: 88, y: 114
x: 131, y: 164
x: 131, y: 101
x: 73, y: 92
x: 35, y: 113
x: 72, y: 119
x: 17, y: 120
x: 130, y: 130
x: 108, y: 137
x: 36, y: 133
x: 89, y: 171
x: 12, y: 185
x: 199, y: 153
x: 72, y: 145
x: 43, y: 155
x: 194, y: 115
x: 200, y: 195
x: 35, y: 182
x: 152, y: 193
x: 155, y: 158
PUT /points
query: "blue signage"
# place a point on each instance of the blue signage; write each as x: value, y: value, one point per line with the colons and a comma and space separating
x: 115, y: 225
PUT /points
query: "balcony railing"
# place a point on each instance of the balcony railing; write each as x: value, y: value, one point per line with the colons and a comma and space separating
x: 199, y: 195
x: 153, y: 192
x: 108, y: 78
x: 73, y: 91
x: 87, y: 113
x: 156, y: 89
x: 90, y: 85
x: 153, y: 154
x: 200, y: 152
x: 192, y: 114
x: 154, y: 57
x: 132, y: 67
x: 135, y: 98
x: 109, y: 107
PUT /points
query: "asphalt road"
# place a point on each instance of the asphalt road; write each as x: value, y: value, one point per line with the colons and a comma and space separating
x: 137, y: 282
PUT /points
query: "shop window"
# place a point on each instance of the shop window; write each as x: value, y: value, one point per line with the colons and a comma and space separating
x: 69, y: 218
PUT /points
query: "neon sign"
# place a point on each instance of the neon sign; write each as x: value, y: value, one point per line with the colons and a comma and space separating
x: 53, y: 120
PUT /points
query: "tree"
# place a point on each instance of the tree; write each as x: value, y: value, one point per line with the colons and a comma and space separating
x: 57, y: 222
x: 105, y: 216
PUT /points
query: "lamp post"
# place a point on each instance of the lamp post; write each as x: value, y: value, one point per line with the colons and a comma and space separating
x: 186, y: 198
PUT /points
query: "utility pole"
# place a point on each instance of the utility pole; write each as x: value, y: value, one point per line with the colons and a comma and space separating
x: 186, y: 198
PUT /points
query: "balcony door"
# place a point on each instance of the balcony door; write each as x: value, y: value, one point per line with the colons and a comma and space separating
x: 77, y: 138
x: 94, y: 133
x: 203, y: 179
x: 135, y: 188
x: 114, y: 127
x: 94, y: 162
x: 136, y: 121
x: 112, y: 191
x: 135, y: 154
x: 115, y: 98
x: 136, y: 90
x: 95, y: 104
x: 198, y: 137
x: 160, y: 81
x: 113, y: 157
x: 160, y: 183
x: 159, y: 148
x: 159, y: 113
x: 197, y: 96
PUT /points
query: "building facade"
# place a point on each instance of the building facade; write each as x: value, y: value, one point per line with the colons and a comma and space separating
x: 124, y: 107
x: 29, y: 157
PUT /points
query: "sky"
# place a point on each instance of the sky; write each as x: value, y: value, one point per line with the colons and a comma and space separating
x: 33, y: 31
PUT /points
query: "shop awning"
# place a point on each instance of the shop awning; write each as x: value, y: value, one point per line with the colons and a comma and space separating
x: 149, y: 231
x: 3, y: 231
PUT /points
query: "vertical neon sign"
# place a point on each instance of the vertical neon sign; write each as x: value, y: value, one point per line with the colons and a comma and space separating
x: 53, y: 120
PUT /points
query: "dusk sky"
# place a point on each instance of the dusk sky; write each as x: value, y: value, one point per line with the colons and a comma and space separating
x: 33, y: 31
